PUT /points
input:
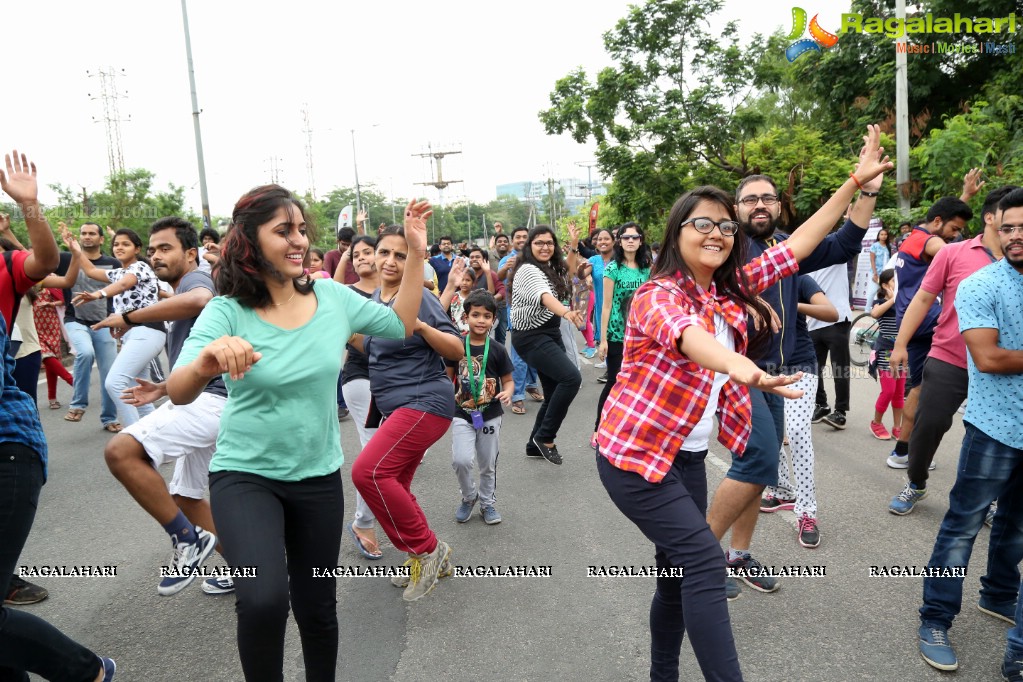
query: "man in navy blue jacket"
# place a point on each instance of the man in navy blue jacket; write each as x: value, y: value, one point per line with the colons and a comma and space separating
x: 736, y: 504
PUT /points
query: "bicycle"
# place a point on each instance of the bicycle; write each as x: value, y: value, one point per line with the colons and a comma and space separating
x: 862, y: 333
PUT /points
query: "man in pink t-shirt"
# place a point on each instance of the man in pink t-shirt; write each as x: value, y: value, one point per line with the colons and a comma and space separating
x: 945, y: 380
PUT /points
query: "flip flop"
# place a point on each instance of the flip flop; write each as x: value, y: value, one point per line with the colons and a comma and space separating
x: 535, y: 394
x: 518, y: 407
x: 74, y: 415
x: 361, y: 547
x: 113, y: 427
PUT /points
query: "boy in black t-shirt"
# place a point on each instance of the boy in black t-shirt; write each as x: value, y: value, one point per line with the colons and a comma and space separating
x: 483, y: 382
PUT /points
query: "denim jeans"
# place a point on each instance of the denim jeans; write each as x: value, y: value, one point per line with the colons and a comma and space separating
x: 987, y: 470
x: 1014, y: 638
x: 523, y: 375
x: 138, y: 348
x: 28, y: 643
x: 92, y: 345
x: 671, y: 514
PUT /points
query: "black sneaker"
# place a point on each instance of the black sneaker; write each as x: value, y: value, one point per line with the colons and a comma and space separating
x: 836, y: 419
x: 551, y: 453
x: 22, y: 592
x: 602, y: 379
x: 809, y: 534
x: 531, y: 451
x: 819, y: 413
x: 752, y: 572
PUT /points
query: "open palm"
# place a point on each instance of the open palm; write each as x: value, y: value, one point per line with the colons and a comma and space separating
x: 19, y: 182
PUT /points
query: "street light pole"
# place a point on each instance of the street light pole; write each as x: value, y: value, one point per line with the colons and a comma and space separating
x: 206, y: 220
x: 355, y: 162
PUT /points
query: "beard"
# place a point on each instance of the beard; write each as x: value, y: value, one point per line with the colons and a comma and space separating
x: 761, y: 231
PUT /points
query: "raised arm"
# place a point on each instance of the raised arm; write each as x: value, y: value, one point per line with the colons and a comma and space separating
x: 410, y: 293
x: 19, y: 182
x: 177, y: 307
x: 866, y: 176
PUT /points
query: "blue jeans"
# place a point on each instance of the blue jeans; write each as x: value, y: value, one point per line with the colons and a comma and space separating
x: 523, y: 375
x: 92, y: 345
x: 27, y: 642
x: 1014, y: 638
x: 138, y: 348
x: 987, y: 470
x: 759, y: 463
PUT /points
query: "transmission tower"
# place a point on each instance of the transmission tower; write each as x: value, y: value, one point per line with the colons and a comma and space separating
x: 308, y: 130
x: 109, y: 94
x: 273, y: 170
x: 436, y: 160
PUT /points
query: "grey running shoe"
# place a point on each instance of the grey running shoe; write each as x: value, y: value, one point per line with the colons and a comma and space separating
x: 489, y: 514
x: 425, y: 570
x: 464, y: 511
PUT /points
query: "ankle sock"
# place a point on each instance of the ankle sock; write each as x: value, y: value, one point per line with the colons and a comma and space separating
x: 901, y: 448
x: 736, y: 554
x: 180, y: 529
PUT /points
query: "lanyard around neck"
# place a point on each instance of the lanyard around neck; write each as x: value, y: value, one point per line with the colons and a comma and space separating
x: 474, y: 387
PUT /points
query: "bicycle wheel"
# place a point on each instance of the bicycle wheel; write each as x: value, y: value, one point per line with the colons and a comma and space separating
x: 862, y: 333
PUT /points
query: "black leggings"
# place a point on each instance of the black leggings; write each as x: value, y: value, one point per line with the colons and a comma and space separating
x: 614, y: 365
x: 558, y: 375
x: 284, y: 530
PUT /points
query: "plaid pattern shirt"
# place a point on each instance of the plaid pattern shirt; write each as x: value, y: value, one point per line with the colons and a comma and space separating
x: 661, y: 394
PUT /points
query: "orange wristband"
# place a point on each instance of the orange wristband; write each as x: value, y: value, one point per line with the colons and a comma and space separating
x: 852, y: 174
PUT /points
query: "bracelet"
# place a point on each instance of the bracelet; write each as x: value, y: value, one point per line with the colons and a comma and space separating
x: 124, y: 316
x: 865, y: 193
x: 102, y: 294
x: 852, y: 174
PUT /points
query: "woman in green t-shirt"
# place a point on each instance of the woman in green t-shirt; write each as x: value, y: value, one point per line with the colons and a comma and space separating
x: 628, y: 269
x: 275, y: 480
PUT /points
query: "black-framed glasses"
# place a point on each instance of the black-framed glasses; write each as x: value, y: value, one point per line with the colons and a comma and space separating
x: 751, y: 200
x: 544, y: 245
x: 630, y: 237
x: 728, y: 228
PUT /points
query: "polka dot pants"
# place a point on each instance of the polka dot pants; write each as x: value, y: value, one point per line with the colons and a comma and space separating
x: 797, y: 427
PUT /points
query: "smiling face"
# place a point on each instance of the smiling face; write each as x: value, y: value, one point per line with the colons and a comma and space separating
x: 480, y: 320
x: 758, y: 221
x: 542, y: 247
x: 705, y: 253
x: 1012, y: 244
x: 124, y: 250
x: 392, y: 251
x: 283, y: 242
x: 476, y: 260
x: 364, y: 260
x: 170, y: 261
x: 603, y: 242
x: 519, y: 240
x: 502, y: 245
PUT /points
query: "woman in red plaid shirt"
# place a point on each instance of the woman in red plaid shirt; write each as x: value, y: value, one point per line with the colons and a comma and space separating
x: 686, y: 343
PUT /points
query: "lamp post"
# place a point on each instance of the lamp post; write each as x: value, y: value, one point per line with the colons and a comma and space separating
x: 195, y: 121
x: 355, y: 164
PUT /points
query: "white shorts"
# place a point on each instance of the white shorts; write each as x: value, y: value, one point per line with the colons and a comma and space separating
x: 186, y: 435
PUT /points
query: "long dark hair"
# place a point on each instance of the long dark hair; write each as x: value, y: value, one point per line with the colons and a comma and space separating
x: 887, y: 239
x: 729, y: 279
x: 556, y: 270
x: 134, y: 238
x: 242, y: 264
x: 643, y: 259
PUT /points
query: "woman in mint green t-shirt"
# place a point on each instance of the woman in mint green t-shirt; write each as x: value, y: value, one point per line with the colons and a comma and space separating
x: 275, y: 481
x: 629, y: 268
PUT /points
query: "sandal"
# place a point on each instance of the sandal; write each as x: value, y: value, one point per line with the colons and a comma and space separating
x: 74, y: 415
x: 518, y: 407
x: 113, y: 427
x: 365, y: 546
x: 55, y: 405
x: 535, y: 394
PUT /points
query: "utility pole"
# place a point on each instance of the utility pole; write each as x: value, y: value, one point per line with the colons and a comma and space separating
x: 308, y: 130
x: 274, y: 169
x: 588, y: 165
x: 438, y: 181
x: 206, y: 220
x: 901, y: 117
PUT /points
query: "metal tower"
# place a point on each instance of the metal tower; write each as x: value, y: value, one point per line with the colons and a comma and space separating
x: 437, y: 159
x: 308, y: 130
x: 111, y: 118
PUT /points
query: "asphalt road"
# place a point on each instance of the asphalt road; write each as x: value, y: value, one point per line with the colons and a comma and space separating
x: 844, y: 626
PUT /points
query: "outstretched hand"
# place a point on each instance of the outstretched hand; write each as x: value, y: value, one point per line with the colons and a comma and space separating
x: 972, y: 184
x: 573, y: 231
x: 20, y: 179
x: 416, y: 215
x: 457, y: 270
x: 873, y: 161
x: 144, y: 393
x: 754, y: 377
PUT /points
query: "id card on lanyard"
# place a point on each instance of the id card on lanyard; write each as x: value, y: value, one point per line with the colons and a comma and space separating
x: 476, y: 383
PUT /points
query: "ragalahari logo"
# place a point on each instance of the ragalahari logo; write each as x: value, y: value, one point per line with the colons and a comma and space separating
x: 818, y: 41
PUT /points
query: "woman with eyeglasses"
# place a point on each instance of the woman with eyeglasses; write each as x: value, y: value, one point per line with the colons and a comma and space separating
x: 685, y: 360
x: 628, y: 269
x: 541, y: 291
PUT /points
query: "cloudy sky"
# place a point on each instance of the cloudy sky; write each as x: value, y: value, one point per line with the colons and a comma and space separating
x: 454, y: 74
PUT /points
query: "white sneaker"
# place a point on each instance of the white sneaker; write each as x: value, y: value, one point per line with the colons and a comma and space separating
x: 188, y: 557
x: 600, y: 365
x: 898, y: 461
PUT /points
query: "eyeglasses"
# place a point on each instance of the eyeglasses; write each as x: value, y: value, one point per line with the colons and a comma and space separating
x: 544, y: 245
x: 728, y: 228
x: 1011, y: 229
x: 630, y: 237
x: 751, y: 201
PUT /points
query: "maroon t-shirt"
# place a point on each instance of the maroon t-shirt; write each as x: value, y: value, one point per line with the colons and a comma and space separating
x: 330, y: 262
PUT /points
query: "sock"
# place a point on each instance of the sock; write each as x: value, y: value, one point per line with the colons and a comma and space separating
x: 180, y: 529
x: 901, y: 448
x: 736, y: 554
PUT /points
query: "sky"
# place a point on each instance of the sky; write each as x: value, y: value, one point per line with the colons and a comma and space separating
x: 454, y: 75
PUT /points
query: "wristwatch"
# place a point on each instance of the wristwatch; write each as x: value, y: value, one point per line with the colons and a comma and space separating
x: 102, y: 294
x: 869, y: 194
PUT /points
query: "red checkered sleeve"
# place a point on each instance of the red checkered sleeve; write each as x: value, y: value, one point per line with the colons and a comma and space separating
x: 770, y: 267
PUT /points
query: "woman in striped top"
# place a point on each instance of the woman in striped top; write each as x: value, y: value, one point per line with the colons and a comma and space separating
x: 540, y: 292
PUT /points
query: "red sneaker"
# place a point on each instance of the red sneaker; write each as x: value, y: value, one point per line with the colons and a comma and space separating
x: 879, y: 431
